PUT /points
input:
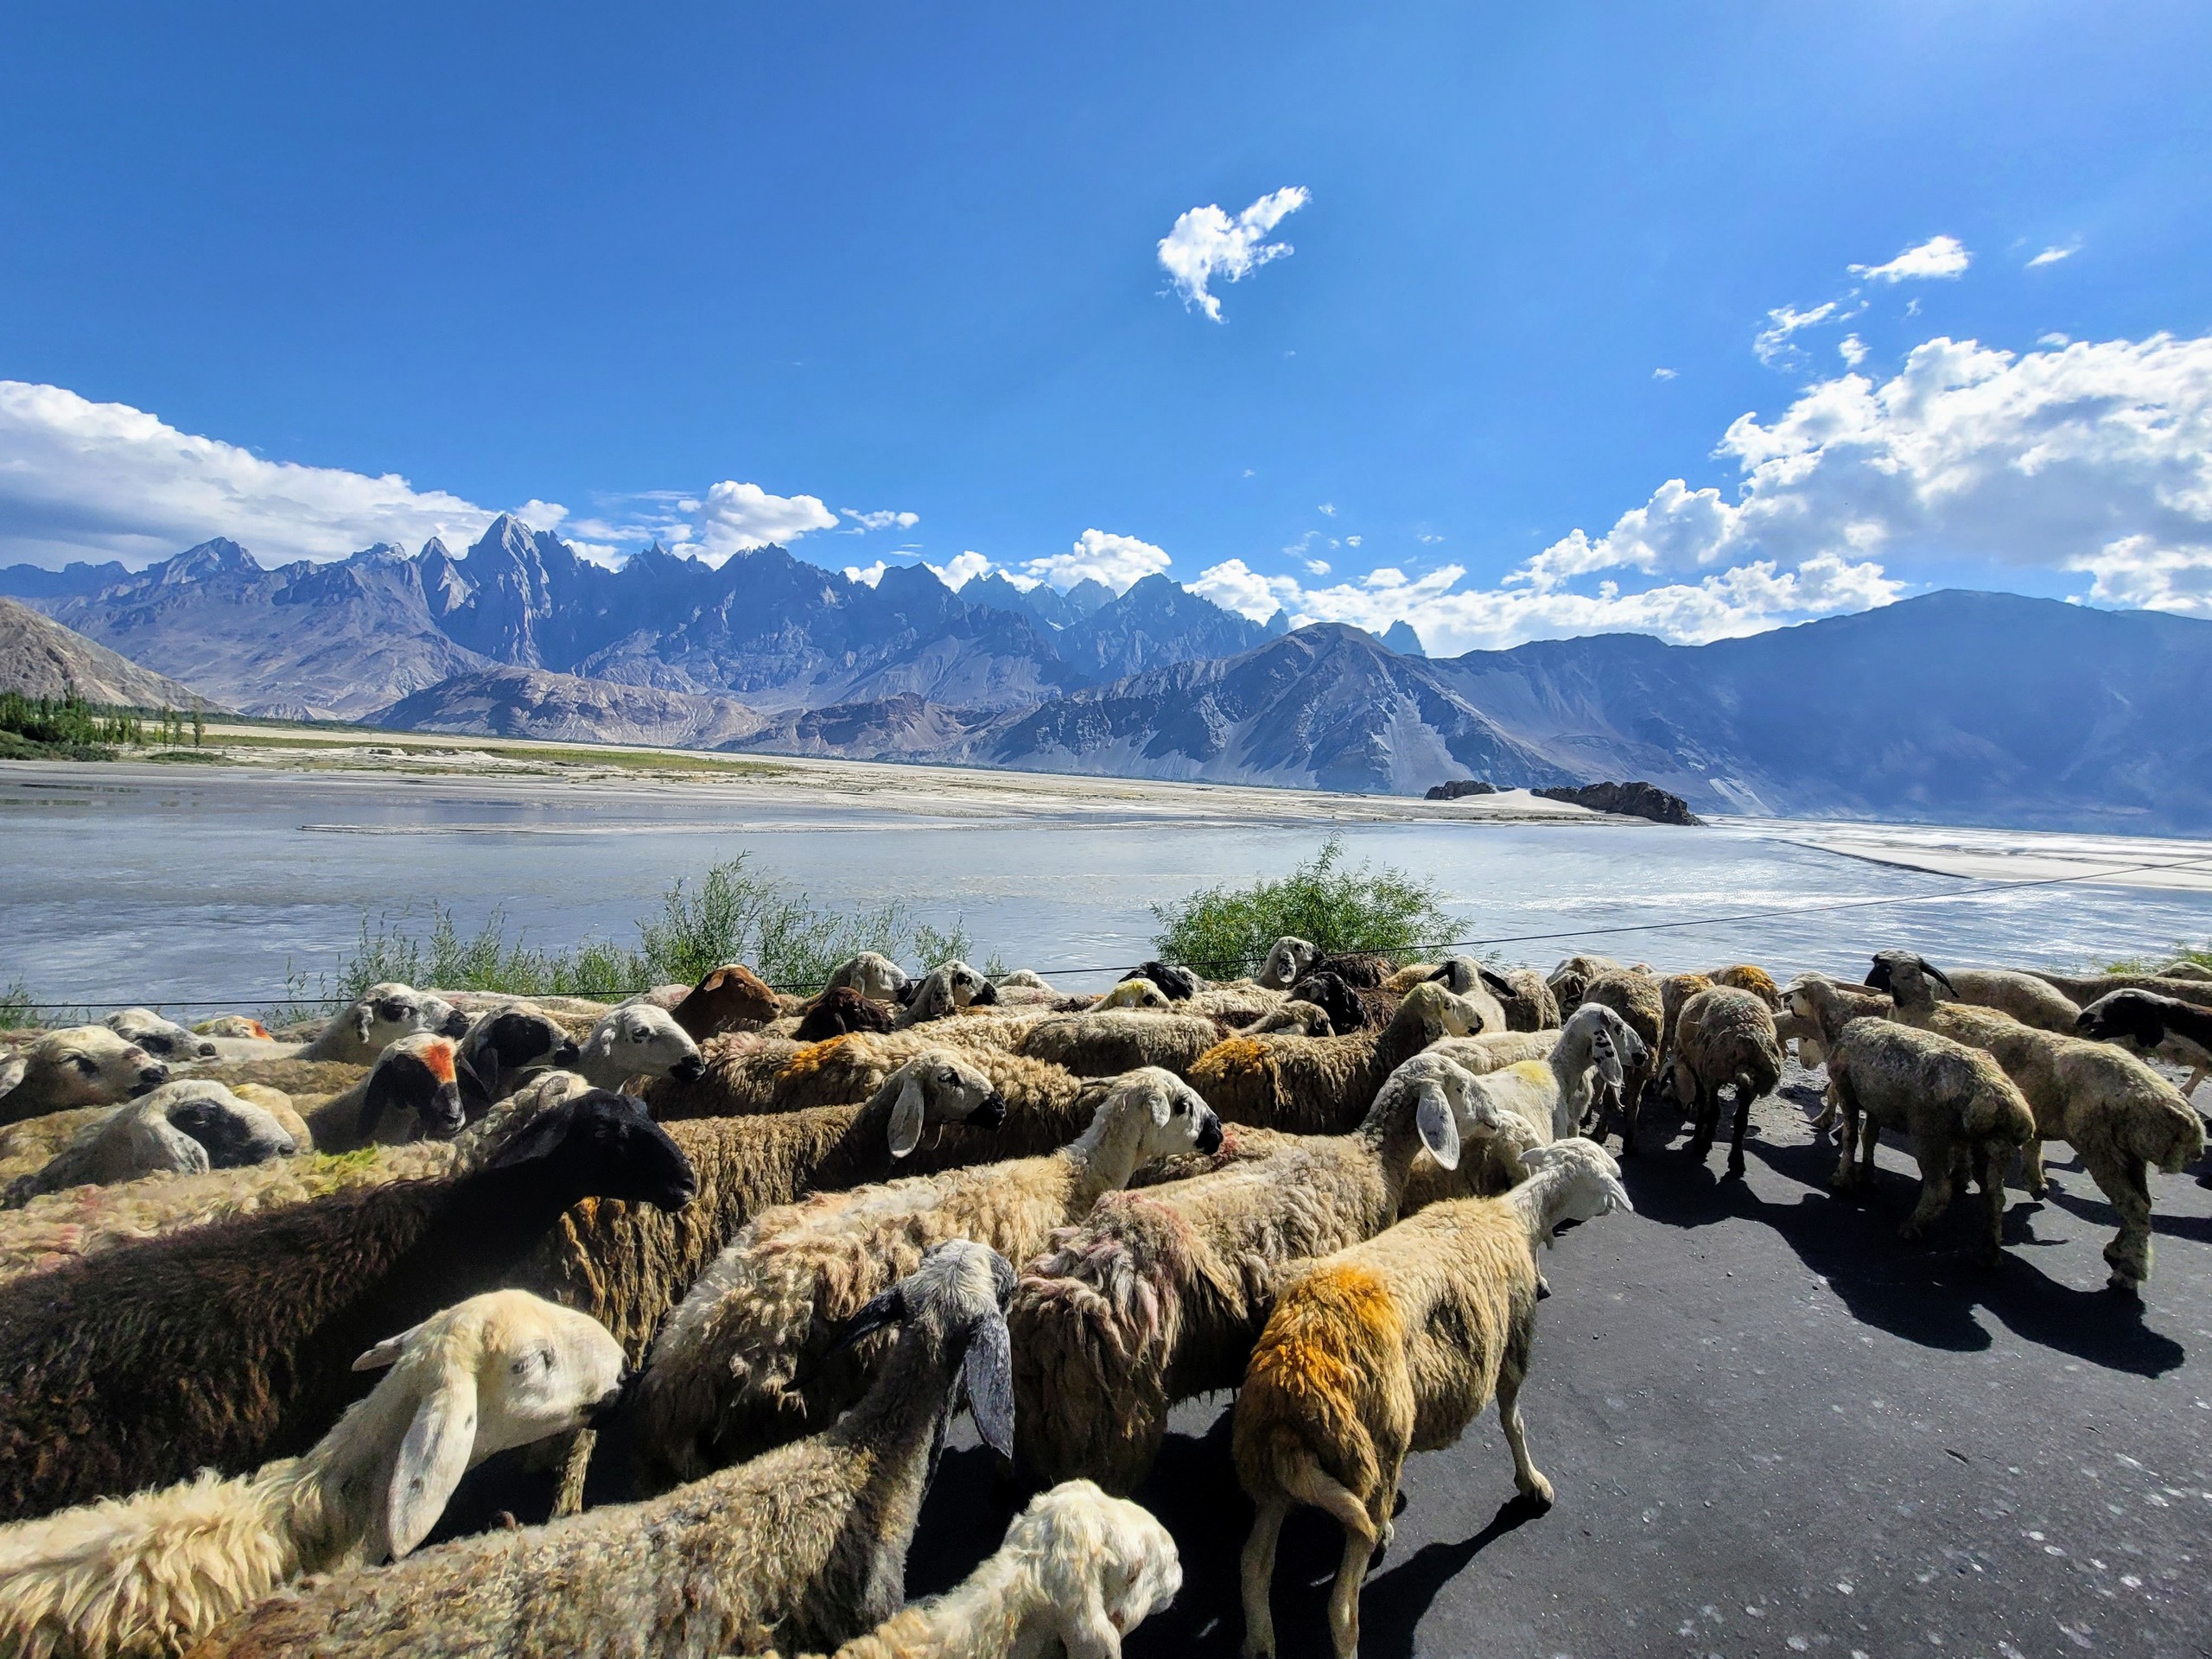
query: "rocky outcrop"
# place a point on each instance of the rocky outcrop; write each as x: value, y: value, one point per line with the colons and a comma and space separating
x: 562, y: 707
x: 1460, y: 788
x: 1630, y: 800
x: 41, y: 658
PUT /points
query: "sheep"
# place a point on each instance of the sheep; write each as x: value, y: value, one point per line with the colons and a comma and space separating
x: 1320, y: 1083
x: 381, y: 1016
x: 944, y: 992
x: 1158, y: 1296
x: 1347, y: 1010
x: 1950, y: 1100
x: 1364, y: 970
x: 1177, y: 984
x: 164, y: 1039
x: 1290, y: 959
x: 638, y: 1040
x: 838, y: 1010
x: 147, y: 1574
x: 725, y: 1382
x: 28, y: 1146
x: 2031, y: 1000
x: 1823, y: 1007
x: 1078, y: 1571
x: 1725, y: 1038
x: 187, y: 1127
x: 413, y: 1090
x: 1636, y: 997
x: 1395, y: 1346
x: 2178, y: 1032
x: 805, y: 1546
x: 1133, y: 994
x: 1465, y: 976
x: 1022, y: 979
x: 261, y: 1313
x: 729, y: 998
x: 874, y: 976
x: 1107, y: 1045
x: 2084, y: 989
x: 747, y: 1075
x: 1527, y: 1000
x: 2122, y: 1117
x: 79, y: 1065
x: 504, y: 1048
x: 2185, y: 969
x: 1675, y: 990
x: 236, y: 1027
x: 1298, y: 1018
x: 1747, y: 976
x: 1494, y: 1051
x: 1567, y: 982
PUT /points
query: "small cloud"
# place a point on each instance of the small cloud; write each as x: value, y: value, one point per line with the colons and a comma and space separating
x: 2052, y: 256
x: 1851, y: 350
x: 541, y: 515
x: 1428, y: 537
x: 866, y: 577
x: 1663, y: 374
x: 1317, y: 567
x: 1120, y: 562
x: 1249, y: 473
x: 1939, y: 256
x: 740, y: 518
x: 1206, y: 243
x: 867, y: 521
x: 1351, y: 541
x: 1773, y: 346
x: 2054, y: 338
x: 1912, y: 307
x: 959, y: 572
x: 1329, y: 509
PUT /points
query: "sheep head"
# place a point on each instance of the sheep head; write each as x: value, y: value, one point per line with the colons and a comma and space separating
x: 419, y: 1075
x: 1289, y: 960
x: 81, y: 1065
x: 600, y: 1145
x: 639, y: 1040
x: 1103, y: 1563
x: 1584, y: 1183
x: 938, y: 1086
x: 164, y: 1039
x: 955, y: 1302
x: 729, y: 998
x: 234, y: 1132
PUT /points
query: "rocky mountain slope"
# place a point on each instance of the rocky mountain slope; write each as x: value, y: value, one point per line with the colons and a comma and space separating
x: 41, y: 658
x: 508, y: 702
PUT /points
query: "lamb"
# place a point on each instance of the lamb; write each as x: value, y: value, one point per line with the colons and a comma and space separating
x: 2122, y: 1117
x: 1290, y: 959
x: 79, y: 1065
x: 806, y: 1546
x: 638, y: 1040
x: 838, y: 1010
x: 146, y: 1576
x: 1078, y: 1571
x: 1321, y: 1085
x: 381, y: 1016
x: 1567, y: 982
x: 504, y: 1048
x: 735, y: 1370
x: 1107, y: 1045
x: 263, y: 1313
x: 185, y: 1127
x: 1158, y: 1296
x: 874, y: 976
x: 1133, y: 994
x: 2176, y: 1032
x: 1635, y: 996
x: 1725, y: 1038
x: 1952, y: 1101
x: 729, y: 998
x: 413, y: 1090
x: 1395, y: 1346
x: 944, y: 991
x: 164, y: 1039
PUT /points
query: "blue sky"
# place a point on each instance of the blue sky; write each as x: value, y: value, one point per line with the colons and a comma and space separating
x: 724, y: 272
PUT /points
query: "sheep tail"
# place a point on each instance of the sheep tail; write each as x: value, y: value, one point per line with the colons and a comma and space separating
x: 2163, y: 1130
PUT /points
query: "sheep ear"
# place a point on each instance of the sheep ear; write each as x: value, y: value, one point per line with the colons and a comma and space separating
x: 361, y: 1019
x: 479, y: 1085
x: 886, y: 1308
x: 387, y: 1351
x: 989, y: 1373
x: 1617, y: 1195
x: 1163, y: 1108
x: 1438, y: 1125
x: 433, y: 1457
x: 907, y: 1114
x: 1497, y: 983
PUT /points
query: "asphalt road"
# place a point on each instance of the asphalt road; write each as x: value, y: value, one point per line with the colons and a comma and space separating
x: 1773, y: 1429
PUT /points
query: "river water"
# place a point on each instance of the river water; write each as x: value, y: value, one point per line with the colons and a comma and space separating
x: 122, y: 884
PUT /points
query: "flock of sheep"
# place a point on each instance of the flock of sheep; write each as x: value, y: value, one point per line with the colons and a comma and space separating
x: 730, y: 1262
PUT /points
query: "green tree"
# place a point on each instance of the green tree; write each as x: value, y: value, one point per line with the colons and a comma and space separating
x: 1222, y: 930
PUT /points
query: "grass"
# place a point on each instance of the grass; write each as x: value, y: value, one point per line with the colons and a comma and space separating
x: 575, y: 756
x: 732, y: 913
x: 2182, y: 951
x: 1223, y: 929
x: 16, y: 1005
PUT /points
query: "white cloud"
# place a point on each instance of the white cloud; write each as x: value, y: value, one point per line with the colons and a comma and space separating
x: 1120, y: 562
x: 740, y: 518
x: 2054, y: 339
x: 1328, y: 509
x: 1206, y: 243
x: 868, y: 576
x: 99, y: 481
x: 2052, y: 256
x: 1663, y: 374
x: 1851, y: 350
x: 1427, y: 539
x: 1235, y: 586
x: 1939, y: 256
x: 1317, y: 567
x: 866, y: 521
x: 1772, y: 345
x: 960, y: 571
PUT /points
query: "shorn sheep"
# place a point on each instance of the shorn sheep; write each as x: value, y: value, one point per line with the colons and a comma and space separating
x: 226, y: 1345
x: 1725, y: 1040
x: 145, y: 1575
x: 181, y: 1127
x: 1954, y: 1103
x: 1395, y: 1346
x: 381, y: 1016
x: 805, y: 1546
x: 638, y: 1040
x: 2176, y: 1032
x: 2122, y: 1117
x: 79, y: 1065
x: 1321, y: 1085
x: 1159, y: 1295
x: 165, y: 1039
x: 1078, y: 1571
x: 735, y: 1371
x: 413, y: 1090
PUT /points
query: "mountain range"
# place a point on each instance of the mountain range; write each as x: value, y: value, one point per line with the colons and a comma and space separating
x: 1955, y: 707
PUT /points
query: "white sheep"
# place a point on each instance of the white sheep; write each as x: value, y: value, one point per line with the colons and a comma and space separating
x: 164, y: 1039
x: 1135, y: 994
x: 79, y: 1065
x: 735, y: 1370
x: 873, y: 974
x: 638, y: 1040
x: 145, y: 1575
x: 184, y: 1128
x: 379, y: 1017
x: 1289, y: 960
x: 944, y: 992
x: 1394, y: 1346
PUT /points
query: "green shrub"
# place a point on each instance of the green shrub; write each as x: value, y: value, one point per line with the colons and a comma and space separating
x: 16, y: 1005
x: 1222, y: 931
x: 2182, y: 951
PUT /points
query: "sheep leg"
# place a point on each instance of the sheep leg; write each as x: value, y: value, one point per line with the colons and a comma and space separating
x: 1526, y: 1476
x: 1934, y: 1190
x: 1344, y: 1600
x: 2127, y: 1182
x: 574, y: 1467
x: 1847, y: 1173
x: 2031, y: 1170
x: 1259, y: 1572
x: 1705, y: 1117
x: 1743, y: 1122
x: 1989, y: 1165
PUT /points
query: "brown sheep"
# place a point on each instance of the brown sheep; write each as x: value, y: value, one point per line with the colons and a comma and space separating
x: 1725, y: 1039
x: 1321, y: 1085
x: 729, y: 998
x: 1635, y: 996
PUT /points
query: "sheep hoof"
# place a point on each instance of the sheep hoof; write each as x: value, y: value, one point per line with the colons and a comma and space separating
x: 2120, y: 1285
x: 1543, y: 1288
x: 1539, y: 1492
x: 1909, y: 1232
x: 1735, y: 1166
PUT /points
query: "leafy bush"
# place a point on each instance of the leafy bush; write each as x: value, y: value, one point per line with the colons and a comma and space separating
x: 71, y: 726
x: 2182, y: 951
x: 733, y: 914
x: 1222, y: 930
